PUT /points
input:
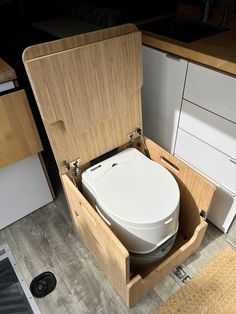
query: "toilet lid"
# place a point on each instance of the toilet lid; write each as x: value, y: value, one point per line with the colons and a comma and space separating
x: 133, y: 190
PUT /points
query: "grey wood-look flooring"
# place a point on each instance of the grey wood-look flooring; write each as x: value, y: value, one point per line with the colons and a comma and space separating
x: 45, y: 241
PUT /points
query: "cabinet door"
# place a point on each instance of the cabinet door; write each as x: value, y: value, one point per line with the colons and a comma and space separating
x: 162, y: 91
x: 18, y: 133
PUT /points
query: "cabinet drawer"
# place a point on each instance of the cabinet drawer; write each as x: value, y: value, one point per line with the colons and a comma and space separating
x: 206, y: 159
x: 212, y: 90
x: 208, y: 127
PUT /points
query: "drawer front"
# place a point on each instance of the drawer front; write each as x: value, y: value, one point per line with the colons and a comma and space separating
x: 208, y: 127
x: 206, y: 159
x: 211, y: 90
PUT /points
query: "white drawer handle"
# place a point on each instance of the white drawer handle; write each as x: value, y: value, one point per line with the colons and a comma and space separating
x: 233, y: 160
x: 103, y: 217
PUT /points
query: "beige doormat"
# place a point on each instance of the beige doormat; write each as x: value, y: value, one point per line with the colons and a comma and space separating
x: 212, y: 291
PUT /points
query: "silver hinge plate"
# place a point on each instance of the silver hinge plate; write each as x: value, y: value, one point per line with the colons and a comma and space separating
x: 73, y: 166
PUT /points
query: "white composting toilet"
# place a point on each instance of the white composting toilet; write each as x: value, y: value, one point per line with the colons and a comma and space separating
x: 138, y: 198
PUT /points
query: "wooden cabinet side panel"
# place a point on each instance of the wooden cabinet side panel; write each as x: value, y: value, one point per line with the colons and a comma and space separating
x: 196, y: 192
x: 138, y: 287
x: 18, y: 133
x: 111, y: 255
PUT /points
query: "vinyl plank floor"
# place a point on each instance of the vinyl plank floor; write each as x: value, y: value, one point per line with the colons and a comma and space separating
x: 45, y: 241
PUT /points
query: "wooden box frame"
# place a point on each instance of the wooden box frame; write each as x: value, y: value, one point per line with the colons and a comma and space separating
x: 61, y: 122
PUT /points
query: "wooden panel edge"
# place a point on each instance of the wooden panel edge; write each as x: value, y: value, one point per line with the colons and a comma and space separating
x: 55, y: 46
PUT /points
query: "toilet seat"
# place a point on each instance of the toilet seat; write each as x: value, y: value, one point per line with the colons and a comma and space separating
x: 137, y: 194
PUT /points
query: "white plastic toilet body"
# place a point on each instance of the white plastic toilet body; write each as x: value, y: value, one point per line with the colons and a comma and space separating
x: 137, y: 197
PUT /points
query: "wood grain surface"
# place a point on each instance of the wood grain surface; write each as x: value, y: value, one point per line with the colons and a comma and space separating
x: 110, y: 253
x: 18, y: 133
x: 89, y: 96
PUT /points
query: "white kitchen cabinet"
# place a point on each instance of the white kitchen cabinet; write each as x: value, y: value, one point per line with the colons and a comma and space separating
x: 206, y: 137
x: 162, y: 91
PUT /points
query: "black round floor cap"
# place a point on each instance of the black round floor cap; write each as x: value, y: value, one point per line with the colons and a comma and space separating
x: 43, y: 284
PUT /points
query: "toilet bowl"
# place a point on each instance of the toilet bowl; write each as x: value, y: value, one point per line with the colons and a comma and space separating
x: 137, y: 198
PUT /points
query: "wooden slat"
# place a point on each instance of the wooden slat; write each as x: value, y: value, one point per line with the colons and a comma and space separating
x: 7, y: 73
x: 89, y: 96
x: 18, y: 133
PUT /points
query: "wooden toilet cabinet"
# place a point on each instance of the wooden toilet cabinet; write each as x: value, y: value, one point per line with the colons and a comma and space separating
x: 87, y: 88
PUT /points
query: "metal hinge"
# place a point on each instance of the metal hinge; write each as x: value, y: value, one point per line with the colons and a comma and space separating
x: 73, y: 166
x: 133, y: 135
x: 203, y: 214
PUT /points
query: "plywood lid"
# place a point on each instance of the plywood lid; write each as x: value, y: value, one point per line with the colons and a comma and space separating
x: 88, y: 88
